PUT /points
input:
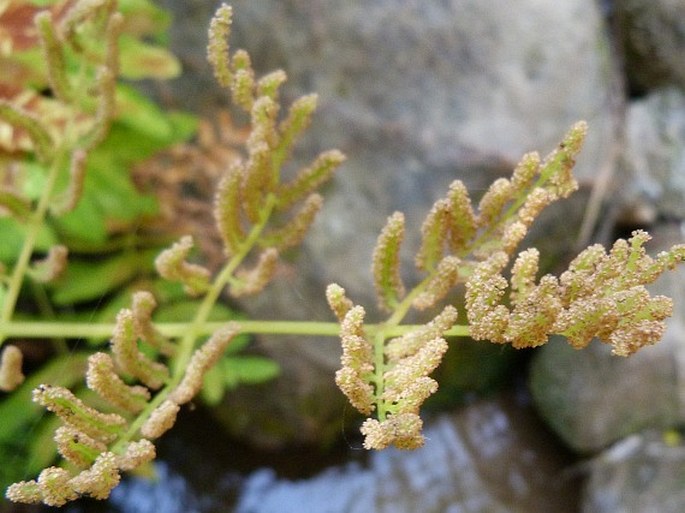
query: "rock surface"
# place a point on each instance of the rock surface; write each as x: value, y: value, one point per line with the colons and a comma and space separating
x: 641, y: 473
x: 653, y: 38
x: 654, y: 154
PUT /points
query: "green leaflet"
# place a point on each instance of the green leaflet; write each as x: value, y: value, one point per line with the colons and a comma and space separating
x: 248, y: 370
x: 12, y: 234
x: 150, y: 20
x: 234, y: 371
x: 109, y: 193
x: 141, y: 115
x: 87, y: 280
x: 140, y: 60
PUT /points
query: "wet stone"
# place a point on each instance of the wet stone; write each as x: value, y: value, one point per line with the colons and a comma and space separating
x: 490, y: 457
x: 644, y: 472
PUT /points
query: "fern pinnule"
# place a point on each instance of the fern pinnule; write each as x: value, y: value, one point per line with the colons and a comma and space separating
x: 439, y: 284
x: 248, y: 282
x: 218, y: 49
x: 386, y: 263
x: 462, y: 220
x: 102, y: 378
x: 309, y: 179
x: 43, y: 143
x: 74, y: 412
x: 172, y: 265
x: 11, y: 375
x: 338, y: 302
x: 434, y: 233
x: 128, y: 356
x: 76, y: 447
x: 294, y: 230
x: 201, y: 361
x: 54, y: 57
x: 160, y: 420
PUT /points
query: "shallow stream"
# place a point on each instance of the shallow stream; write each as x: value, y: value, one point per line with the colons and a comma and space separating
x: 490, y: 456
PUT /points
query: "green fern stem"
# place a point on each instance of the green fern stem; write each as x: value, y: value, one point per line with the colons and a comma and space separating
x: 72, y: 330
x: 35, y: 222
x: 187, y: 343
x: 392, y: 327
x: 379, y: 368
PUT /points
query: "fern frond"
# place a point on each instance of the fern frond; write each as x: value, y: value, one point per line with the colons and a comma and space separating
x: 14, y: 204
x: 217, y: 50
x: 309, y: 179
x: 54, y: 57
x: 67, y: 200
x: 252, y: 281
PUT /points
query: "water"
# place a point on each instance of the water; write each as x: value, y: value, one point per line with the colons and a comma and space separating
x: 490, y: 457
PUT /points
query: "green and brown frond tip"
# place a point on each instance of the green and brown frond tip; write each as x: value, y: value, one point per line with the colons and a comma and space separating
x: 601, y: 295
x: 56, y: 486
x: 98, y: 445
x: 510, y: 206
x: 386, y: 263
x: 217, y: 50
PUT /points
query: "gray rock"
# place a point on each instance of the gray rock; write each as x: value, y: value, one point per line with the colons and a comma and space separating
x: 640, y: 473
x: 654, y: 154
x: 592, y: 398
x: 653, y: 38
